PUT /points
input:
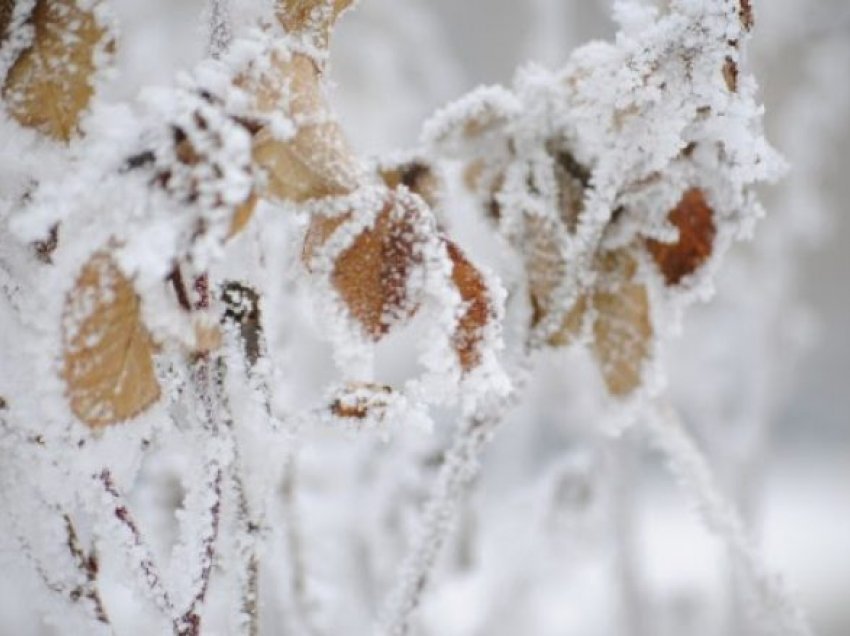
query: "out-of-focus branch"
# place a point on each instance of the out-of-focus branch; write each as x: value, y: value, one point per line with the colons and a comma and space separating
x: 776, y: 607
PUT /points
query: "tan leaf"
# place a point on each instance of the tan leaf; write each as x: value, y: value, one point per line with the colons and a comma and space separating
x: 571, y: 326
x: 372, y: 275
x: 49, y: 85
x: 242, y: 215
x: 315, y: 163
x: 469, y: 335
x: 107, y: 361
x: 316, y: 15
x: 694, y: 219
x: 544, y: 264
x: 622, y: 336
x: 622, y: 329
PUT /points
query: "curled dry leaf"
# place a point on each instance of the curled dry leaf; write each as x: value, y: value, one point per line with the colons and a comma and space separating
x: 107, y: 358
x: 361, y: 400
x: 694, y: 219
x: 622, y: 326
x: 543, y: 242
x: 317, y: 161
x: 372, y: 275
x: 476, y: 313
x: 622, y: 330
x: 49, y: 84
x: 544, y: 265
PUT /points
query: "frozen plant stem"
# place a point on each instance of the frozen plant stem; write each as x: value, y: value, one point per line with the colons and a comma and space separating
x: 459, y: 468
x: 139, y: 554
x: 88, y: 565
x: 775, y: 607
x: 208, y: 380
x: 220, y: 30
x: 295, y: 547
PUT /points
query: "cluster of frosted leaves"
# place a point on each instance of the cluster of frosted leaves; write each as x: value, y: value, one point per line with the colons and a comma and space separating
x: 621, y: 178
x: 254, y: 125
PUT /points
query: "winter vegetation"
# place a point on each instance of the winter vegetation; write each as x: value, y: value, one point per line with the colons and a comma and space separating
x: 266, y: 316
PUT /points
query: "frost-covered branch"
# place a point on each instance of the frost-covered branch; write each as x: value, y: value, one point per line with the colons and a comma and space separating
x: 774, y: 605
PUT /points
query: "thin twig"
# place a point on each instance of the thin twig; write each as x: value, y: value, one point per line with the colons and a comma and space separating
x: 460, y: 466
x: 220, y: 29
x: 141, y: 554
x: 295, y: 548
x: 89, y: 566
x: 693, y: 472
x: 208, y: 382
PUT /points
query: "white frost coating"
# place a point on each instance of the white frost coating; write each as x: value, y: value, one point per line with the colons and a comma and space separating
x: 301, y: 492
x: 773, y: 604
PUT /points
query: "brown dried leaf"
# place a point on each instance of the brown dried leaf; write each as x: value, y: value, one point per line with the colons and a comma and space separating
x: 317, y: 162
x: 477, y: 312
x: 572, y: 179
x: 242, y: 215
x: 622, y: 336
x: 315, y: 15
x: 49, y: 85
x: 694, y: 219
x: 107, y: 360
x: 372, y: 274
x: 544, y: 265
x: 313, y: 165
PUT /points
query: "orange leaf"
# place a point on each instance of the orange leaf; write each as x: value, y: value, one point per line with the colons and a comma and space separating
x: 372, y: 275
x: 107, y: 362
x: 695, y: 221
x: 469, y: 335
